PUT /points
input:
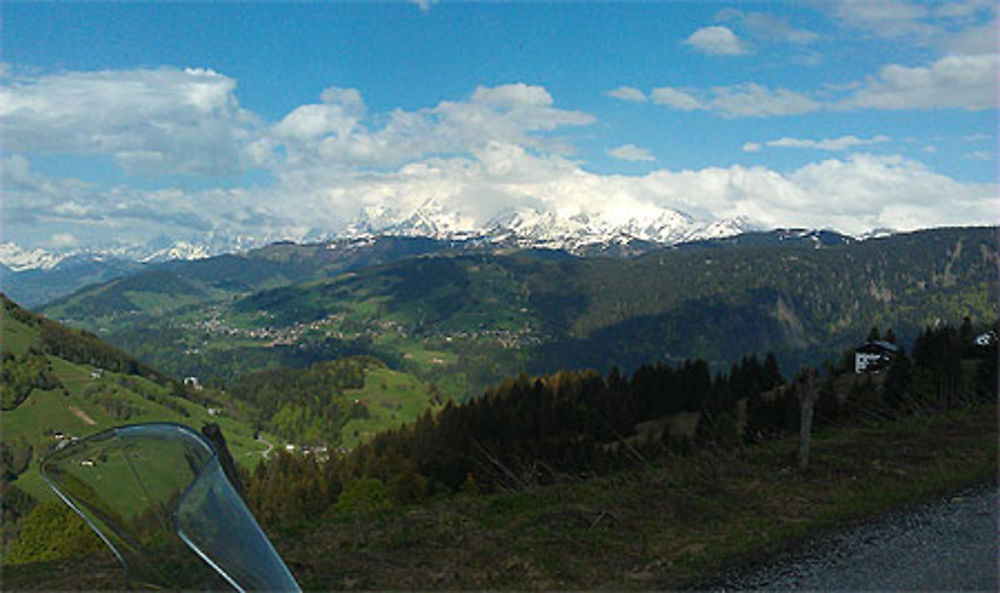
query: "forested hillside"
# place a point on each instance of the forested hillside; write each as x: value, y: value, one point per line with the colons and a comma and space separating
x: 574, y: 426
x: 157, y: 289
x: 462, y: 321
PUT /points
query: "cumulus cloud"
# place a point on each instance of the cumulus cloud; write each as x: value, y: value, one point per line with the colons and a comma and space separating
x: 631, y: 152
x: 831, y: 144
x: 854, y: 194
x: 716, y: 40
x: 63, y: 240
x: 336, y: 135
x: 981, y: 155
x: 742, y: 100
x: 976, y: 40
x: 955, y: 26
x: 955, y: 81
x: 885, y: 18
x: 754, y: 100
x: 150, y: 121
x: 767, y: 27
x: 496, y: 149
x: 627, y: 93
x: 951, y: 82
x: 676, y: 98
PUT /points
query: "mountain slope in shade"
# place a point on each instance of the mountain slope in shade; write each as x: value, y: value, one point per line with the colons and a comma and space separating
x: 36, y: 286
x: 795, y: 292
x: 161, y: 288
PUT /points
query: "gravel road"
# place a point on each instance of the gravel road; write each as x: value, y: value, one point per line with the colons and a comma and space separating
x: 944, y: 545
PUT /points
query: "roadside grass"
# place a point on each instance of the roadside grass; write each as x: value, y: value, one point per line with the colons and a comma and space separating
x: 678, y: 522
x: 674, y: 524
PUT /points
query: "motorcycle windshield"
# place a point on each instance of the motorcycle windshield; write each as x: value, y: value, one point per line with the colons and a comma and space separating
x: 158, y: 497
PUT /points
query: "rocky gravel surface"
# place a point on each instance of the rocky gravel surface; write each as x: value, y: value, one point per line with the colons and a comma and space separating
x: 948, y: 544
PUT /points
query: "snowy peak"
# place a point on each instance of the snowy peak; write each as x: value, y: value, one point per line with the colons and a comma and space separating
x: 179, y: 250
x: 526, y: 227
x: 20, y: 260
x: 160, y: 249
x: 724, y: 227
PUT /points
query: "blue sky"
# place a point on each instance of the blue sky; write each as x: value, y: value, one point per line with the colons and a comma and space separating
x: 276, y: 120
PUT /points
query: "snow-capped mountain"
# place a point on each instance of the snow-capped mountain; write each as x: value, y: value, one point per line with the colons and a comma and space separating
x: 178, y: 250
x: 724, y: 227
x: 429, y: 220
x: 19, y: 260
x: 158, y: 249
x: 580, y: 231
x: 532, y: 228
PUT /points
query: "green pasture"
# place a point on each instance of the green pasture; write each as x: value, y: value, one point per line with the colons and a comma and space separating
x: 391, y: 399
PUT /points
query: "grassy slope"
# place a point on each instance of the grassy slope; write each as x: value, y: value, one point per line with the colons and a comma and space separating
x: 52, y: 410
x: 392, y: 399
x: 668, y: 525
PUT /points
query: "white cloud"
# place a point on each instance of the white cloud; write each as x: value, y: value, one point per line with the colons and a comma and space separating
x: 885, y: 18
x: 831, y: 144
x: 63, y: 240
x: 339, y: 114
x: 676, y: 98
x: 335, y: 134
x: 854, y: 194
x: 976, y: 40
x: 754, y: 100
x: 951, y: 82
x: 150, y: 121
x: 956, y: 81
x: 981, y: 155
x: 767, y: 27
x: 716, y: 40
x: 895, y: 192
x: 631, y: 152
x: 752, y: 147
x: 512, y: 96
x: 17, y: 174
x: 424, y: 5
x: 627, y: 93
x: 494, y: 150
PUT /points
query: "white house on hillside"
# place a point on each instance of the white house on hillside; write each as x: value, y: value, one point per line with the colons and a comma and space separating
x: 874, y: 356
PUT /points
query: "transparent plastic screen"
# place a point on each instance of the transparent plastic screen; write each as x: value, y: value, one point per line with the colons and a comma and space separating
x: 157, y: 496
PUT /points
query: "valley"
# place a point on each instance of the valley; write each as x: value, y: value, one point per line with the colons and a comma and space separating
x: 463, y: 320
x: 414, y: 376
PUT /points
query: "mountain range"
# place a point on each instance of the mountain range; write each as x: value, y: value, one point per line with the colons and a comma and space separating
x: 37, y: 276
x: 463, y: 314
x: 524, y: 227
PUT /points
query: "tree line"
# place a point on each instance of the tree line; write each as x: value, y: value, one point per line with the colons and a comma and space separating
x: 578, y: 424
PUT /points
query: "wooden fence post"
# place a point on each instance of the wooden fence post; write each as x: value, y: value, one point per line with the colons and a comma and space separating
x: 807, y: 399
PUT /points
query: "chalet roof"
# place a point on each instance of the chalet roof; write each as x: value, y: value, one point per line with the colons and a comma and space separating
x: 878, y: 346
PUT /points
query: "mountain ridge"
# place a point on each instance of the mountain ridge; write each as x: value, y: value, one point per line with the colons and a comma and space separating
x: 479, y: 314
